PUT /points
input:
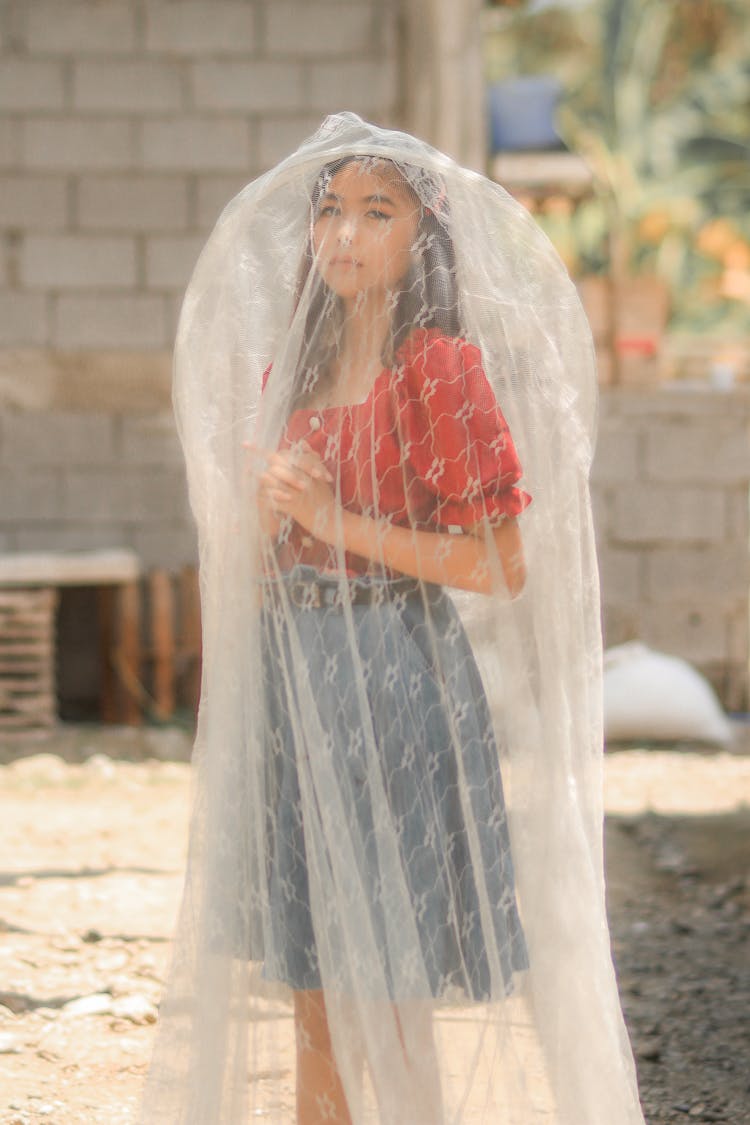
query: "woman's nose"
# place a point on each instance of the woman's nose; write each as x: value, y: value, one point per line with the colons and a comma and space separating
x: 345, y: 231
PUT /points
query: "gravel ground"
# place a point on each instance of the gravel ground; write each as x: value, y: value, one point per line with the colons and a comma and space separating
x: 678, y: 876
x: 91, y: 875
x: 683, y: 959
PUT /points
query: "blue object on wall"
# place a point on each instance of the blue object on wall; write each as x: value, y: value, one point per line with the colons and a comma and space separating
x: 522, y: 113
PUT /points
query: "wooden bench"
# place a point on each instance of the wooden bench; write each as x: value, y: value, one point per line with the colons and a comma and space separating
x: 29, y: 592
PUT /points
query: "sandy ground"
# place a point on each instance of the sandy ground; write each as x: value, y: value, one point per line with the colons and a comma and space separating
x: 93, y: 850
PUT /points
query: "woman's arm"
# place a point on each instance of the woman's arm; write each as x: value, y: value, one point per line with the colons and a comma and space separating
x: 301, y: 488
x: 450, y: 560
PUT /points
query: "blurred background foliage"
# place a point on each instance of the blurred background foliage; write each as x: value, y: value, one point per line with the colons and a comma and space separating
x: 656, y: 98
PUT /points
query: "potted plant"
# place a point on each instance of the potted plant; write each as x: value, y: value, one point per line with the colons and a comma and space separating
x: 660, y: 116
x: 524, y: 46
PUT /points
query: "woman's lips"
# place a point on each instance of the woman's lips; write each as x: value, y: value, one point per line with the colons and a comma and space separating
x: 339, y: 260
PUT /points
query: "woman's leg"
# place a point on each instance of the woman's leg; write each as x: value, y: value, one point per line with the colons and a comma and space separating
x: 415, y: 1031
x: 320, y: 1092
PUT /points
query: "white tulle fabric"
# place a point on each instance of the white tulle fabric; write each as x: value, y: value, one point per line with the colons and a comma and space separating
x: 491, y: 1022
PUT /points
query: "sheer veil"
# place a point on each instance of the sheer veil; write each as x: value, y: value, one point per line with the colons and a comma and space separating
x: 349, y: 829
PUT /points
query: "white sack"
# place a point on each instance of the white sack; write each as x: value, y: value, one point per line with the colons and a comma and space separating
x: 653, y: 696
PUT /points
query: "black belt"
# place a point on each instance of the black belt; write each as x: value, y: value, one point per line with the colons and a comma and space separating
x: 322, y: 593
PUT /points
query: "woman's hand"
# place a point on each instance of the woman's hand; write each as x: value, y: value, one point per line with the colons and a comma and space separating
x: 270, y: 520
x: 296, y: 483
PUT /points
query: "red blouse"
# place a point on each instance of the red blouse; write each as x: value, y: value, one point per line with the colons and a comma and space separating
x: 428, y: 448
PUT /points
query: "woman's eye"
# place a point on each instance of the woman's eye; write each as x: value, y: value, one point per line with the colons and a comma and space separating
x: 381, y: 215
x: 327, y: 211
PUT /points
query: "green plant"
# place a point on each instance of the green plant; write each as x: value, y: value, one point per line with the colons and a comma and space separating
x: 532, y: 38
x: 660, y: 113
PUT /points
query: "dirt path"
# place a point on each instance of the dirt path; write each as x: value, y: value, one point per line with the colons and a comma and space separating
x: 91, y: 874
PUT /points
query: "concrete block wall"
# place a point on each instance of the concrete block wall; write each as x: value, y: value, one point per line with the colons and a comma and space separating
x: 86, y: 481
x: 671, y: 483
x: 126, y: 126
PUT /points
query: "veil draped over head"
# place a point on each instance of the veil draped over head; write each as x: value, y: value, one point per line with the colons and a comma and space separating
x: 397, y: 781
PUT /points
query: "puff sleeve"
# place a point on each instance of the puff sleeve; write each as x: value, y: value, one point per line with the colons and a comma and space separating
x: 456, y: 440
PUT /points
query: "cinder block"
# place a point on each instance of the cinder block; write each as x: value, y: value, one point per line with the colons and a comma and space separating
x: 5, y: 25
x: 195, y: 143
x: 738, y: 516
x: 10, y: 142
x: 695, y: 452
x: 159, y: 496
x: 617, y: 456
x: 41, y: 438
x: 720, y: 572
x: 133, y: 87
x: 318, y: 29
x: 370, y: 85
x: 604, y: 366
x: 675, y: 401
x: 29, y: 84
x: 30, y: 495
x: 92, y: 496
x: 78, y: 261
x: 150, y: 439
x: 168, y: 545
x: 248, y: 86
x: 110, y: 321
x: 170, y: 260
x: 619, y: 624
x: 76, y: 145
x: 738, y: 644
x: 280, y: 136
x: 81, y: 26
x: 38, y: 202
x: 23, y: 319
x: 59, y: 536
x: 193, y: 27
x: 698, y: 634
x: 659, y: 514
x: 132, y: 203
x: 213, y: 194
x: 620, y: 576
x: 127, y: 494
x: 607, y: 406
x: 734, y: 683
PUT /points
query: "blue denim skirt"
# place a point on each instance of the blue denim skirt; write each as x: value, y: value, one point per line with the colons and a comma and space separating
x: 425, y: 705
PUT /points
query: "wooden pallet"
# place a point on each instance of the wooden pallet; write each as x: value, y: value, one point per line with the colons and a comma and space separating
x: 150, y: 639
x: 27, y: 658
x: 149, y: 644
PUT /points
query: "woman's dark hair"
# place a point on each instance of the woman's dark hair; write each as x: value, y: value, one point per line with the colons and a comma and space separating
x: 428, y: 297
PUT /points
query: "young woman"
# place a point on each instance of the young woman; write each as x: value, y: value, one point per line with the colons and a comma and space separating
x: 366, y: 328
x: 359, y: 474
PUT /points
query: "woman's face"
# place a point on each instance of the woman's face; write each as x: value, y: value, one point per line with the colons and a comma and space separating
x: 365, y: 230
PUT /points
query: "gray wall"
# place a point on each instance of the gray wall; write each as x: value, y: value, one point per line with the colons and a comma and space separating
x: 671, y: 482
x: 125, y: 126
